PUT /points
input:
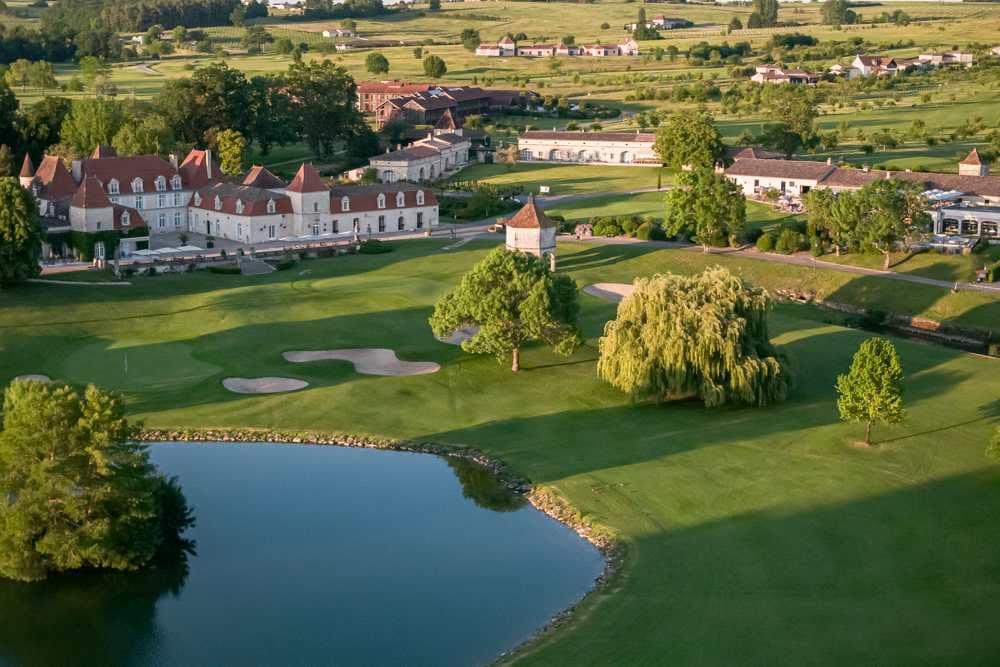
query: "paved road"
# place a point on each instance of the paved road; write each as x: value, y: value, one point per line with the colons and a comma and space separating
x: 803, y: 260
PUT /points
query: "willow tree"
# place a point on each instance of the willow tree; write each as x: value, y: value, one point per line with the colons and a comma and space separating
x: 704, y: 336
x: 513, y: 299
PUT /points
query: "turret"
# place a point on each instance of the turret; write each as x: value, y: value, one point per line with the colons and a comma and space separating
x: 27, y: 172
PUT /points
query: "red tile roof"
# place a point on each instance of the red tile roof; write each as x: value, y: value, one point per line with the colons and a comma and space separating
x: 254, y: 200
x: 135, y: 218
x: 147, y: 168
x: 27, y: 168
x: 53, y: 179
x: 805, y: 169
x: 199, y: 169
x: 972, y: 158
x: 307, y: 180
x: 260, y: 177
x: 530, y: 217
x: 398, y: 87
x: 90, y: 194
x: 365, y: 197
x: 103, y: 152
x: 633, y: 137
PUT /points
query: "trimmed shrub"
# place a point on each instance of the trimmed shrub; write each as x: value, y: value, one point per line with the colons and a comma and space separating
x: 650, y: 231
x: 374, y: 247
x: 789, y: 241
x: 766, y: 242
x: 749, y: 234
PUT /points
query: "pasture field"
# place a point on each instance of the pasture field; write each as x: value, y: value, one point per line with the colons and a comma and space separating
x: 763, y: 534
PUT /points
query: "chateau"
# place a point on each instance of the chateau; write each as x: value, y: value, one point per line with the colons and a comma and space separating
x: 108, y: 193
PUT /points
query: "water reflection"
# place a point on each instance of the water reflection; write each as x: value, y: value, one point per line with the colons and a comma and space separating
x: 483, y: 487
x: 94, y: 618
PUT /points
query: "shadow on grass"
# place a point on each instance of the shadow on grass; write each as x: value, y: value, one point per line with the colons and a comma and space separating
x: 907, y: 576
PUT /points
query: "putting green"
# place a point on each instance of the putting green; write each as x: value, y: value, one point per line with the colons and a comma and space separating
x: 133, y: 366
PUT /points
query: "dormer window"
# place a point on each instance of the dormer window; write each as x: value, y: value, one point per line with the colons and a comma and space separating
x: 218, y: 202
x: 420, y: 197
x: 381, y: 201
x: 136, y: 184
x: 125, y: 220
x: 161, y: 184
x: 345, y: 203
x: 175, y: 182
x: 239, y: 207
x: 113, y: 187
x: 197, y: 199
x: 400, y: 200
x: 271, y: 207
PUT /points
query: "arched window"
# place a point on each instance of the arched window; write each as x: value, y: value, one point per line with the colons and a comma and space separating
x: 161, y: 184
x: 400, y: 200
x: 345, y: 203
x: 175, y: 182
x: 125, y: 220
x: 136, y: 184
x: 218, y: 203
x: 239, y: 207
x: 399, y: 224
x: 420, y: 197
x: 271, y: 206
x: 381, y: 200
x: 113, y: 187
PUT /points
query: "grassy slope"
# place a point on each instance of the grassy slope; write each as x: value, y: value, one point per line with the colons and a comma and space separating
x: 754, y: 536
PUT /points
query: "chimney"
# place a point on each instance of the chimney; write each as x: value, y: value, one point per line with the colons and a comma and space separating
x: 76, y: 168
x: 173, y: 160
x: 208, y: 162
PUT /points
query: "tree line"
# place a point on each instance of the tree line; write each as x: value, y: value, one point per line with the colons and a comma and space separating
x: 138, y: 15
x: 311, y: 102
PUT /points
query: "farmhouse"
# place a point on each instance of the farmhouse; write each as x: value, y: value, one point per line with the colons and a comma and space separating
x: 628, y: 148
x: 661, y: 23
x: 777, y: 75
x: 628, y: 47
x: 947, y: 58
x: 338, y: 32
x: 965, y: 203
x: 440, y: 154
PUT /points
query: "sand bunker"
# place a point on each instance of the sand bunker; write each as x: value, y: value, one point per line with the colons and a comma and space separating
x: 267, y: 385
x: 367, y: 360
x: 459, y: 336
x: 610, y: 291
x: 37, y: 377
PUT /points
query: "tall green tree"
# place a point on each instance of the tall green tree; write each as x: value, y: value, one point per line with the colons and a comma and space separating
x: 21, y: 234
x: 689, y: 140
x: 18, y: 73
x: 76, y: 491
x: 273, y: 117
x: 435, y: 67
x: 767, y: 10
x: 214, y: 97
x: 91, y: 122
x: 704, y: 336
x: 376, y: 63
x: 706, y: 206
x: 871, y: 392
x: 144, y: 134
x: 470, y: 39
x: 513, y: 299
x: 42, y: 75
x: 92, y: 67
x: 838, y: 12
x: 255, y: 37
x: 881, y: 215
x: 324, y: 95
x: 231, y: 148
x: 9, y: 116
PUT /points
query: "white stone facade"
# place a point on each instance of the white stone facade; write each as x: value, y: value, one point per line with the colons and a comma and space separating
x: 619, y: 148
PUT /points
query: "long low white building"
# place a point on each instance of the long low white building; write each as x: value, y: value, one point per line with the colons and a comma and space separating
x: 623, y: 148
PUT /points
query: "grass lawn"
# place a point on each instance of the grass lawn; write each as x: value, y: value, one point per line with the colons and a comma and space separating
x: 927, y: 264
x: 761, y: 534
x: 567, y: 179
x: 644, y: 203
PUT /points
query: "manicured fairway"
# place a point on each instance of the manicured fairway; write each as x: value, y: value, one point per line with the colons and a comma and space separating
x: 567, y: 179
x: 754, y: 536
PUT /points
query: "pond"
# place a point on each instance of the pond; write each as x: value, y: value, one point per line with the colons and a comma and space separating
x: 310, y: 555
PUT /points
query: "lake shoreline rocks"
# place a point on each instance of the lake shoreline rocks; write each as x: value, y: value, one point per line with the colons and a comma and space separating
x: 544, y: 499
